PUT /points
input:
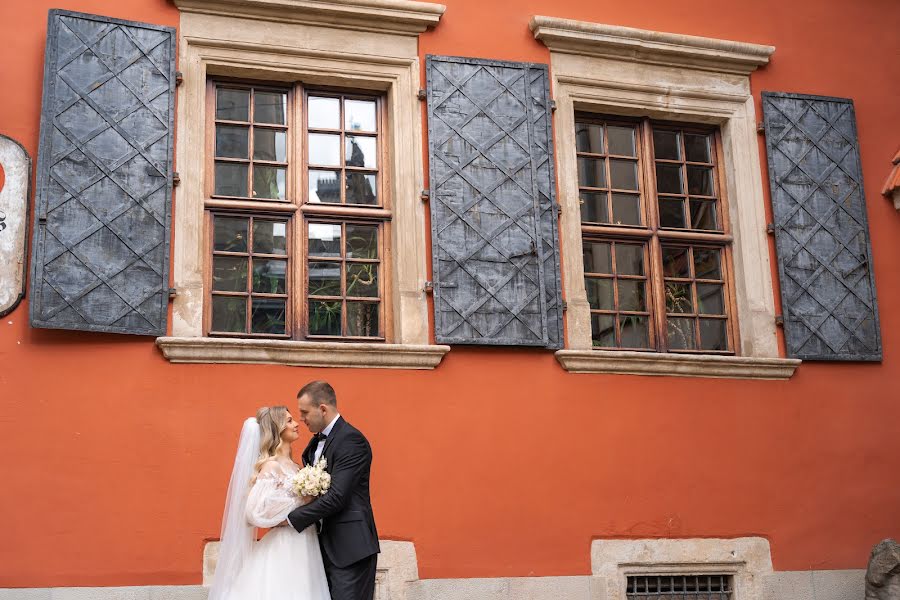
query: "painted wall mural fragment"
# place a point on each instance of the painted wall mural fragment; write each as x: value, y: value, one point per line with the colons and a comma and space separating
x: 13, y: 222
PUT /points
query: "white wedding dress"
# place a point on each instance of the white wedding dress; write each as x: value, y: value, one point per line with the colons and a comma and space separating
x: 284, y: 564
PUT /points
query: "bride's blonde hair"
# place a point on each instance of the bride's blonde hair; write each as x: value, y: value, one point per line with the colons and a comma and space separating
x: 272, y: 421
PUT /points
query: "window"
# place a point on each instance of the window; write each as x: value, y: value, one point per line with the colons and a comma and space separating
x: 655, y: 239
x: 679, y: 587
x: 297, y: 216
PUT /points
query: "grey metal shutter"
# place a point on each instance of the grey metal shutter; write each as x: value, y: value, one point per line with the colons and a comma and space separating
x: 100, y: 257
x: 493, y: 208
x: 821, y: 229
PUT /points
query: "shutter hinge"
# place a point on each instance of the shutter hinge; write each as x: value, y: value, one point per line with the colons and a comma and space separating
x: 425, y: 195
x: 565, y: 306
x: 176, y: 179
x: 179, y: 78
x: 760, y: 127
x: 779, y: 320
x: 429, y: 287
x: 422, y: 95
x: 172, y: 293
x: 553, y: 105
x: 770, y: 228
x: 42, y: 218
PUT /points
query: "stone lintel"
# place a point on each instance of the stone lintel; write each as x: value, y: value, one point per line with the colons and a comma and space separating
x: 394, y: 16
x: 654, y: 47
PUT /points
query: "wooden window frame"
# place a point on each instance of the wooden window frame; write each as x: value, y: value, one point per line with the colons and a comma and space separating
x: 653, y: 236
x: 297, y: 209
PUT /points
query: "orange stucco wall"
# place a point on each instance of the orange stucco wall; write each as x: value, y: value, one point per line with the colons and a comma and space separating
x: 499, y: 463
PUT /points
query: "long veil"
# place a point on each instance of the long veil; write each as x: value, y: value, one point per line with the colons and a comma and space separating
x: 237, y: 534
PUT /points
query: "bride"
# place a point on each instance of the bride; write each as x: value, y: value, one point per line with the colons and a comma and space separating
x: 284, y: 564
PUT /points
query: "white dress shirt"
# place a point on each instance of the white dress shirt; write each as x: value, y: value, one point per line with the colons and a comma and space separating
x: 325, y: 432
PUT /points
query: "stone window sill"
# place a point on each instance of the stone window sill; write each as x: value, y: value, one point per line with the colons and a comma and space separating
x: 676, y: 365
x: 301, y: 354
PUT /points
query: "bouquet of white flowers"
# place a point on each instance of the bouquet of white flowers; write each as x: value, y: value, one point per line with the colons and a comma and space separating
x: 311, y: 480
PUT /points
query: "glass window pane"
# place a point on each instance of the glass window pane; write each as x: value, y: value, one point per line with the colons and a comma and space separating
x: 268, y: 182
x: 711, y: 298
x: 593, y: 207
x: 629, y: 259
x: 229, y: 274
x: 362, y: 280
x: 713, y: 334
x: 268, y: 315
x: 232, y: 105
x: 603, y: 330
x: 680, y: 334
x: 269, y: 237
x: 230, y: 234
x: 359, y: 115
x: 269, y: 107
x: 231, y: 179
x: 324, y: 186
x: 361, y: 189
x: 700, y: 181
x: 623, y: 174
x: 633, y: 331
x: 631, y: 295
x: 360, y: 152
x: 324, y: 279
x: 703, y: 214
x: 232, y: 142
x: 324, y: 318
x: 324, y: 149
x: 626, y: 209
x: 591, y: 172
x: 706, y: 264
x: 589, y: 138
x: 597, y: 257
x: 621, y: 140
x: 671, y: 213
x: 229, y: 313
x: 324, y: 113
x: 675, y: 262
x: 600, y: 293
x: 269, y: 276
x: 362, y: 319
x: 696, y: 147
x: 679, y: 298
x: 324, y: 239
x: 668, y: 179
x: 269, y: 144
x: 362, y: 241
x: 666, y: 144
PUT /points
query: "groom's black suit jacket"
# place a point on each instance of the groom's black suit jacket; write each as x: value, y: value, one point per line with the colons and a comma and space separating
x: 348, y: 526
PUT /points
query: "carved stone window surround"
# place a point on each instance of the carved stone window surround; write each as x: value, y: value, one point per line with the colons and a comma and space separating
x: 623, y: 71
x: 359, y: 44
x: 748, y: 560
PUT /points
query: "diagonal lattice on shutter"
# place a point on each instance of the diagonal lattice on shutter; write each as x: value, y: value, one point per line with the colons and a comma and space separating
x: 101, y: 237
x: 821, y: 229
x: 493, y: 206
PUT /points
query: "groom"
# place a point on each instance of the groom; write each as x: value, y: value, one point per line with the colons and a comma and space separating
x: 347, y: 534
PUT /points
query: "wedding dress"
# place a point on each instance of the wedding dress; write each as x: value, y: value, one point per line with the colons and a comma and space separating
x: 284, y: 564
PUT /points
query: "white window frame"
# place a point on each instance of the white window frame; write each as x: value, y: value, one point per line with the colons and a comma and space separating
x: 613, y: 70
x: 357, y: 44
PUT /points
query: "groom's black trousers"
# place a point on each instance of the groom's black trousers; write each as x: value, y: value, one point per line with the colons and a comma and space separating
x: 353, y: 582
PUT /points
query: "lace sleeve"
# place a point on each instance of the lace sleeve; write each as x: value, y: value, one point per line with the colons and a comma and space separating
x: 269, y: 501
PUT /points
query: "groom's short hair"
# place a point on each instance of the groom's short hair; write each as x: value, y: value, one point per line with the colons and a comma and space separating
x: 320, y: 392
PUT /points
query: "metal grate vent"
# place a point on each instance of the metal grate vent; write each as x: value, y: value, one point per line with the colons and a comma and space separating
x: 679, y: 587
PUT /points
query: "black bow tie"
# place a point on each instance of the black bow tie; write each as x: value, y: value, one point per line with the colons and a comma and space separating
x: 320, y: 437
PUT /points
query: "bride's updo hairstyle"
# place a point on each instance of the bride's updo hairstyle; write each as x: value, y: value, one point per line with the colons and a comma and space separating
x: 272, y: 421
